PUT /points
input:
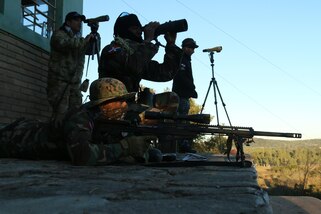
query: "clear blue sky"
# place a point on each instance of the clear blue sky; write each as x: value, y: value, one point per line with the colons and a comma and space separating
x: 269, y: 69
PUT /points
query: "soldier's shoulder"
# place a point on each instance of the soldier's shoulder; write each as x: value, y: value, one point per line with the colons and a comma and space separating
x: 111, y: 49
x: 59, y: 33
x: 78, y: 114
x: 79, y: 118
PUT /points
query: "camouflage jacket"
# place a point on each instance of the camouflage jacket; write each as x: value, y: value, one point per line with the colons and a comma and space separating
x: 67, y: 56
x: 83, y: 149
x: 130, y: 61
x: 77, y: 140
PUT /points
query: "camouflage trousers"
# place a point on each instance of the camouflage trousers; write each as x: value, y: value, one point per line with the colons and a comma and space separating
x: 184, y: 106
x: 34, y: 140
x: 63, y: 96
x: 31, y: 139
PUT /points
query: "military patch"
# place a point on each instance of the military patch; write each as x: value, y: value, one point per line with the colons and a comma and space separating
x: 183, y: 67
x: 114, y: 49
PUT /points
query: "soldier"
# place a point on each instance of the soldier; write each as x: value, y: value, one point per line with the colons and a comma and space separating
x: 66, y: 64
x: 183, y: 86
x: 77, y: 140
x: 129, y: 58
x: 183, y: 83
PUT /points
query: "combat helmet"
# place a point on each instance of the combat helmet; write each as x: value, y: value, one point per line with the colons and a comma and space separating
x: 107, y: 89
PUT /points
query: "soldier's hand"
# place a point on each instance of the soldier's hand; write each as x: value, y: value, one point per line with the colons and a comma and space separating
x: 170, y: 38
x: 148, y: 121
x: 149, y: 31
x: 89, y: 37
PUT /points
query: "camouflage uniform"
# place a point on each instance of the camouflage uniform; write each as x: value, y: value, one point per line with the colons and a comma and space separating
x: 75, y: 141
x: 130, y: 62
x: 66, y: 65
x: 31, y: 139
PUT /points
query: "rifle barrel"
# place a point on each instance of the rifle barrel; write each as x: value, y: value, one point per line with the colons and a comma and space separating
x: 249, y: 132
x: 277, y: 134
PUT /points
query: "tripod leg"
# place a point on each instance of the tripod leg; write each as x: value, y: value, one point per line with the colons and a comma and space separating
x: 208, y: 90
x: 94, y: 51
x: 224, y: 105
x: 87, y: 65
x: 215, y: 100
x: 97, y: 48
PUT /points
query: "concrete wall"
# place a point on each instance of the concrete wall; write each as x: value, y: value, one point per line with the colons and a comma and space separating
x: 24, y: 57
x: 23, y: 77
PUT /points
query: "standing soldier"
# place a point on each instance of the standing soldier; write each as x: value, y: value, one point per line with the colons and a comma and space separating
x: 129, y: 57
x: 183, y: 84
x: 66, y: 65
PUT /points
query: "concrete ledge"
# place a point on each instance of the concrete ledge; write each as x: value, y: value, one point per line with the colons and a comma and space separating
x: 39, y: 186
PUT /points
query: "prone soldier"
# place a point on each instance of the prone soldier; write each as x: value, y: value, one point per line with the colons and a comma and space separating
x: 75, y: 140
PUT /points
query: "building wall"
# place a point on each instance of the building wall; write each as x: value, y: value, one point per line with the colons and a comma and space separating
x: 23, y: 77
x: 24, y: 57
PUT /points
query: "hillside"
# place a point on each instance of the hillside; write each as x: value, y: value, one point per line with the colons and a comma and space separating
x: 268, y: 143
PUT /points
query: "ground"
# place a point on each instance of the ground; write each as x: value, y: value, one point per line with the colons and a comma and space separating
x: 58, y: 187
x: 295, y: 204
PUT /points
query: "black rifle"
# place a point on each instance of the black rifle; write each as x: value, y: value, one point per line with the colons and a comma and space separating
x: 179, y: 130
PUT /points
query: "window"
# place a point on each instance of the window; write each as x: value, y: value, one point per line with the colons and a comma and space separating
x: 1, y: 6
x: 39, y: 16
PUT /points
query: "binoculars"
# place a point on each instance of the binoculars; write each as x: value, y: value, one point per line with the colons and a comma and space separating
x: 172, y: 26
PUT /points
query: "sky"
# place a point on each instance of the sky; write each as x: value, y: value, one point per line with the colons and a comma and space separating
x: 268, y: 72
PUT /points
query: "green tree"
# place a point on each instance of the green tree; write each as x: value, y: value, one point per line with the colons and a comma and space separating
x: 213, y: 144
x: 194, y: 107
x: 310, y: 162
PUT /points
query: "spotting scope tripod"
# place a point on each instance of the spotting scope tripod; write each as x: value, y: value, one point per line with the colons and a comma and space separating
x: 213, y: 83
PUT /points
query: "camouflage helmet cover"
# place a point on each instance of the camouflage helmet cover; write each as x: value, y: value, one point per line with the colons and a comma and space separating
x: 106, y: 89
